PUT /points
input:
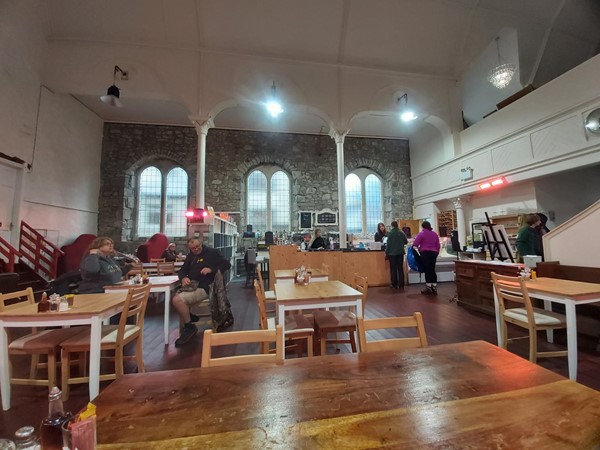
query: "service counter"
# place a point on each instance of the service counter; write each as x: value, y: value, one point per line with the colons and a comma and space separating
x: 342, y: 264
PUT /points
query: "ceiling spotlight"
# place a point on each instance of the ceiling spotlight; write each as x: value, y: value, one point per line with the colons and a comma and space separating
x: 501, y: 75
x: 406, y: 114
x: 273, y: 106
x: 113, y: 92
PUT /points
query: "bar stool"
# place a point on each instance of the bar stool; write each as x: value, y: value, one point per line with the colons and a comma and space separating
x: 250, y: 263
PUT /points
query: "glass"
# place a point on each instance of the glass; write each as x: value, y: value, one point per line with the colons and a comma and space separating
x: 7, y: 444
x: 26, y: 439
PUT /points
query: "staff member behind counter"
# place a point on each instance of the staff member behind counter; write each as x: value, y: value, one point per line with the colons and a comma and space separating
x: 318, y: 242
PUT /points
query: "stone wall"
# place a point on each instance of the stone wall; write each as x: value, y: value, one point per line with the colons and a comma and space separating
x: 310, y: 160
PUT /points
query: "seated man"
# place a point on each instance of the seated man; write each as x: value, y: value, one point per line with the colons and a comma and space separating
x: 199, y: 268
x: 169, y: 254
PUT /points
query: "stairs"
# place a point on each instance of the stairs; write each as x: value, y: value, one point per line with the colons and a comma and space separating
x: 28, y: 278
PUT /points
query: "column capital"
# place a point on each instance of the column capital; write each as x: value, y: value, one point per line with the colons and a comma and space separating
x: 459, y: 202
x: 338, y: 135
x: 202, y: 125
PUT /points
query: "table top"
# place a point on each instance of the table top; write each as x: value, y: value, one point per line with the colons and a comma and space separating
x: 291, y: 273
x: 315, y: 291
x: 83, y: 304
x: 165, y: 280
x: 464, y: 395
x: 568, y: 288
x: 154, y: 264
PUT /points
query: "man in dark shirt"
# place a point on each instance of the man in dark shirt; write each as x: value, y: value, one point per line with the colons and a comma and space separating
x: 198, y: 270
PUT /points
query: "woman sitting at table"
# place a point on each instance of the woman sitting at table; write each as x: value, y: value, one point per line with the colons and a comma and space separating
x: 99, y: 268
x: 169, y: 254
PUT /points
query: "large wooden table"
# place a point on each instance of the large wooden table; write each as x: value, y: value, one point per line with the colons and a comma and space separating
x: 567, y: 292
x: 467, y: 395
x: 161, y: 284
x: 288, y: 275
x: 88, y: 309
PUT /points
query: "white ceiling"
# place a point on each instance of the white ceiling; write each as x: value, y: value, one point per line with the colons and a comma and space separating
x: 427, y: 38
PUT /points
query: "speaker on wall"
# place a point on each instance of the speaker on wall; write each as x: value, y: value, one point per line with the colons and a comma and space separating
x: 305, y: 219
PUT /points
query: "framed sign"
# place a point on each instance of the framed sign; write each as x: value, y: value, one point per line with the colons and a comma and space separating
x: 326, y: 217
x: 305, y: 219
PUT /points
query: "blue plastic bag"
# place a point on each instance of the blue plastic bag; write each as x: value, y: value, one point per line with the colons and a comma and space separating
x: 414, y: 260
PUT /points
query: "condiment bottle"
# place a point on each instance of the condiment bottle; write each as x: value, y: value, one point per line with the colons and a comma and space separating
x: 25, y: 439
x: 43, y: 305
x: 50, y: 430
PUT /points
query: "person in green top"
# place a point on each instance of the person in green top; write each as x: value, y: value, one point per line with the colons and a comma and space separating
x: 394, y: 252
x: 527, y: 239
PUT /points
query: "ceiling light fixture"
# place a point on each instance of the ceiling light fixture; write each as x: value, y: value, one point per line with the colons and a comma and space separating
x: 406, y: 115
x: 501, y: 75
x: 273, y: 106
x: 113, y: 92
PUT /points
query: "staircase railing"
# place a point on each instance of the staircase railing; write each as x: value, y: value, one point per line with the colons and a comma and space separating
x: 9, y: 254
x: 38, y: 253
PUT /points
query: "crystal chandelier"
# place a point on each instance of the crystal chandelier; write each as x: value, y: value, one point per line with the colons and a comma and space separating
x: 501, y: 75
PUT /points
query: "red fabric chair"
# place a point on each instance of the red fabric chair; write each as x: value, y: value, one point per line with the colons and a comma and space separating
x: 153, y: 247
x: 73, y: 253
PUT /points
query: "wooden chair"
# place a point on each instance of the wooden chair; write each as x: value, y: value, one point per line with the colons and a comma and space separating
x: 114, y: 338
x: 512, y: 289
x: 340, y: 321
x: 46, y: 342
x: 414, y: 321
x: 157, y: 260
x: 136, y: 269
x: 242, y: 337
x: 250, y: 263
x: 270, y: 297
x: 297, y: 326
x: 165, y: 268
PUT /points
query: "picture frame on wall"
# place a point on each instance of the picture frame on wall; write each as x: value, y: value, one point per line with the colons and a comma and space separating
x: 326, y: 217
x: 305, y: 220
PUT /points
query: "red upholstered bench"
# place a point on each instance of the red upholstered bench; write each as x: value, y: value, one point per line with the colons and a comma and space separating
x: 73, y: 253
x: 153, y: 247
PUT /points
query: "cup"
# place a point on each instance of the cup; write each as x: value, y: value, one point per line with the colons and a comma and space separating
x: 70, y: 299
x: 66, y: 433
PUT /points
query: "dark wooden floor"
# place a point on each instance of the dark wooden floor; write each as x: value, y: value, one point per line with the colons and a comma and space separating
x: 445, y: 322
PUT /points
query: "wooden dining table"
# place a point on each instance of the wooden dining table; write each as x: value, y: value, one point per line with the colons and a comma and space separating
x: 87, y: 309
x: 321, y: 295
x: 454, y: 396
x: 568, y: 293
x: 288, y: 275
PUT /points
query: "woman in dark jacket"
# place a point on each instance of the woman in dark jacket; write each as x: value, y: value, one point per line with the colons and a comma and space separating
x: 98, y: 267
x: 381, y: 232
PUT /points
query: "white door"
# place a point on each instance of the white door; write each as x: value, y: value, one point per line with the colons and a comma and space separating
x: 11, y: 188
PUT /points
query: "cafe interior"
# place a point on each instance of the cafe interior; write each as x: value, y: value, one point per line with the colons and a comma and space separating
x: 282, y: 134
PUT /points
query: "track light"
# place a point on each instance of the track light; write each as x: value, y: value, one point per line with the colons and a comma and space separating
x: 273, y: 106
x: 406, y: 114
x: 113, y: 92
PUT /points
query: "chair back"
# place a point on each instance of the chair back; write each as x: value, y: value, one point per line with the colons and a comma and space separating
x: 251, y: 256
x: 157, y: 260
x: 14, y: 299
x: 262, y: 308
x: 136, y: 269
x: 165, y: 268
x: 512, y: 289
x: 242, y: 337
x: 325, y: 268
x: 361, y: 284
x: 135, y: 307
x: 414, y: 321
x: 260, y: 279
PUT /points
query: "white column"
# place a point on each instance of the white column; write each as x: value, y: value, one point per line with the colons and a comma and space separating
x: 461, y: 225
x: 202, y: 130
x: 338, y: 137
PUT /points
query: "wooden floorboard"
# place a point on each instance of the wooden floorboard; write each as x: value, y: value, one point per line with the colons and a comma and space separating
x: 445, y: 322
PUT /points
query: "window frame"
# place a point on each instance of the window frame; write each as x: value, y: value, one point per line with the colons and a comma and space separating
x: 268, y: 171
x: 362, y: 173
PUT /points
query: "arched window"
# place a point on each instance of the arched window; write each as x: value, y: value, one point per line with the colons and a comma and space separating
x: 268, y: 199
x: 162, y: 201
x: 364, y: 201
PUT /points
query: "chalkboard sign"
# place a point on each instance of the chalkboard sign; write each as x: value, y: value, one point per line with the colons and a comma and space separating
x: 326, y: 217
x: 305, y: 219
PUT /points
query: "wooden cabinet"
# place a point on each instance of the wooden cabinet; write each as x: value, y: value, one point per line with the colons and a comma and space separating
x: 511, y: 223
x: 474, y: 282
x: 446, y: 222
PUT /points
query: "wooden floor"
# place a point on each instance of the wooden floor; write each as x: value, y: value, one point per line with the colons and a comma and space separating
x: 445, y: 322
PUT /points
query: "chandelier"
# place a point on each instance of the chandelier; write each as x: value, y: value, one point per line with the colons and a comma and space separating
x: 501, y: 75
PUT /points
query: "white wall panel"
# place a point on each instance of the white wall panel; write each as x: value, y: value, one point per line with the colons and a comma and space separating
x: 561, y: 138
x: 511, y: 155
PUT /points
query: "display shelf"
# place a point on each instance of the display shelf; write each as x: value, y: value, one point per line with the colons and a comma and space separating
x: 446, y: 222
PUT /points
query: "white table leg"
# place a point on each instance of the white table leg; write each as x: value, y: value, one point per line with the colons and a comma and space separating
x: 571, y: 339
x: 358, y: 314
x: 549, y: 333
x: 95, y: 337
x: 167, y: 292
x: 498, y: 321
x: 4, y: 369
x: 281, y: 321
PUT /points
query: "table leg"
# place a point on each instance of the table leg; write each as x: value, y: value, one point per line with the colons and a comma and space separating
x: 498, y: 321
x: 95, y: 338
x: 358, y: 314
x: 549, y: 333
x: 4, y: 369
x: 167, y: 292
x: 571, y: 339
x: 281, y: 321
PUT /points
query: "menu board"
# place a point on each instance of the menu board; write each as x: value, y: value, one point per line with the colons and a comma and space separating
x: 326, y: 217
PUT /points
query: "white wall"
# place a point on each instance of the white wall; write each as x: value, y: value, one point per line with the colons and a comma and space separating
x: 55, y: 134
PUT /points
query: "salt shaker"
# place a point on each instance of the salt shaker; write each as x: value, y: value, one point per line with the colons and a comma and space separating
x: 26, y: 439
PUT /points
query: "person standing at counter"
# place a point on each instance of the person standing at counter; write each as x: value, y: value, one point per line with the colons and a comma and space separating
x: 528, y: 238
x: 427, y: 243
x: 318, y: 241
x: 99, y: 268
x: 394, y: 252
x: 381, y: 232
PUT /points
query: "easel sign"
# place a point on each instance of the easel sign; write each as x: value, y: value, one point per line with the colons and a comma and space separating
x: 497, y: 242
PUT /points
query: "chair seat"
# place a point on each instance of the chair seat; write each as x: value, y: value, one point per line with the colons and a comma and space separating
x: 109, y: 336
x: 541, y: 316
x: 334, y: 319
x: 47, y: 340
x: 270, y: 296
x: 294, y: 324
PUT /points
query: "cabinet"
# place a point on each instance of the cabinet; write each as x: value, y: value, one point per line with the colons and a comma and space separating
x: 474, y: 282
x: 446, y: 222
